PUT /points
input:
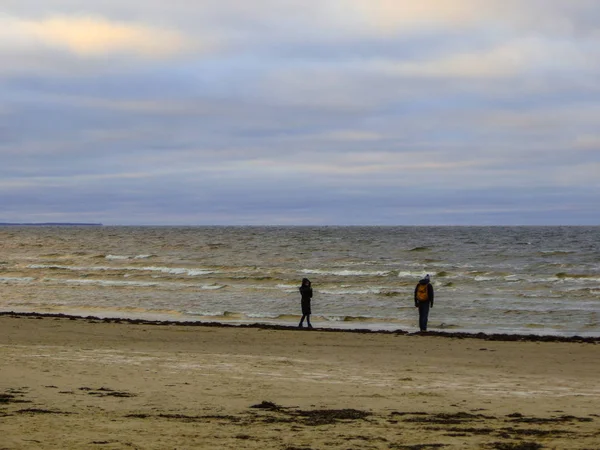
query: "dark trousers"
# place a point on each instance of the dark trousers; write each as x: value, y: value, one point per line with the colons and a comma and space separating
x: 423, y: 315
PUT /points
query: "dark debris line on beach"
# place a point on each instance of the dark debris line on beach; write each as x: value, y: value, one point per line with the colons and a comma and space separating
x: 509, y: 432
x: 317, y: 416
x: 106, y: 392
x: 501, y: 430
x: 442, y: 334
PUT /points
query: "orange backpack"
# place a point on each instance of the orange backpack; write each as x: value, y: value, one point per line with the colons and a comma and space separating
x: 422, y: 293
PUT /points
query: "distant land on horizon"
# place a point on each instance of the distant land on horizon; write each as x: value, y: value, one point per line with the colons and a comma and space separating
x: 46, y: 224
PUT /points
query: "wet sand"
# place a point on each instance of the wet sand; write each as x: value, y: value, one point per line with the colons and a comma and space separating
x: 74, y: 383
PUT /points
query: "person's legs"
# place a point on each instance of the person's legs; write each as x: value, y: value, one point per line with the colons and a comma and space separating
x: 423, y: 315
x: 305, y: 312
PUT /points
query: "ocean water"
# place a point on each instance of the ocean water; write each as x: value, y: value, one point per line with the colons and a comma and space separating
x: 524, y: 280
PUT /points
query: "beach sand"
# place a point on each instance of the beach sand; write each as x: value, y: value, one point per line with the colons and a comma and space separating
x: 70, y: 383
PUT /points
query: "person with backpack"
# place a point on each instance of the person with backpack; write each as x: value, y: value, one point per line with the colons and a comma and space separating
x: 424, y: 300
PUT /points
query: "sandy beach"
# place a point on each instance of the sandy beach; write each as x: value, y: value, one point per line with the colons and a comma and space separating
x: 73, y: 383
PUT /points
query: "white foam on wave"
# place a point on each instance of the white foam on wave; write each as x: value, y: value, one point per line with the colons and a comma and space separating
x: 205, y: 313
x: 169, y: 270
x: 121, y: 283
x: 585, y: 279
x: 287, y: 288
x: 347, y: 273
x: 416, y: 275
x: 516, y: 278
x: 174, y: 270
x: 264, y: 315
x: 123, y: 257
x: 212, y: 287
x: 56, y: 266
x: 7, y: 280
x: 482, y: 278
x: 351, y: 291
x: 105, y: 282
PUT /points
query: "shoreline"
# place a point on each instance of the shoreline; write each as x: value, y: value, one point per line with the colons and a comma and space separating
x: 501, y: 337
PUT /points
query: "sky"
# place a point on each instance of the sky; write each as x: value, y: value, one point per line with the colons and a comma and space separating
x: 300, y: 112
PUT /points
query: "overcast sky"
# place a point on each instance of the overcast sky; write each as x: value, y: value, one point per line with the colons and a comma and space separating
x: 345, y: 112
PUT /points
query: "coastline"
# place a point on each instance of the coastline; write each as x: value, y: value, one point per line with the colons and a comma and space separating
x: 508, y: 337
x: 50, y: 224
x: 83, y: 382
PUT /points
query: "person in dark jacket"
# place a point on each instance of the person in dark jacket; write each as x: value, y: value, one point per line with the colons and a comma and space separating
x: 306, y: 293
x: 424, y: 301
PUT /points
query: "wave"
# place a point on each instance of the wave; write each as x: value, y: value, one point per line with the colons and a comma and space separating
x: 168, y: 270
x: 56, y: 267
x: 212, y: 287
x: 482, y: 278
x: 250, y: 277
x: 222, y: 315
x: 407, y: 277
x: 273, y: 316
x: 315, y: 318
x: 113, y: 283
x: 137, y: 309
x: 350, y: 291
x: 9, y: 280
x: 576, y: 275
x: 362, y: 319
x: 120, y: 283
x: 391, y: 293
x: 415, y: 275
x: 174, y: 270
x: 419, y: 249
x: 347, y: 273
x: 388, y: 292
x: 123, y: 257
x: 556, y: 252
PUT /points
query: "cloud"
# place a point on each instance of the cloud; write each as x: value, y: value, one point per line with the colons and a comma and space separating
x: 351, y: 136
x: 91, y: 36
x: 307, y: 111
x: 494, y: 16
x: 588, y: 142
x: 526, y: 56
x: 394, y: 15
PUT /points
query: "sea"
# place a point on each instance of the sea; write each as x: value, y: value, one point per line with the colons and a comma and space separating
x: 514, y: 280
